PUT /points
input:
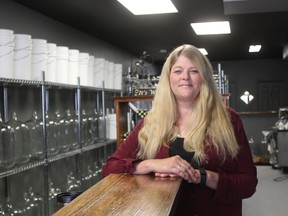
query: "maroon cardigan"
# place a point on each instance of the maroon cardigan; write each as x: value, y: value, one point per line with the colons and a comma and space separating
x: 237, y: 178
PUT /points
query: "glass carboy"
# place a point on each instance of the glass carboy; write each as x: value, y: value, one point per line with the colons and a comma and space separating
x: 7, y: 145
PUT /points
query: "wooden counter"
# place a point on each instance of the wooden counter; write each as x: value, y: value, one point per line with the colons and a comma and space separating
x: 120, y: 194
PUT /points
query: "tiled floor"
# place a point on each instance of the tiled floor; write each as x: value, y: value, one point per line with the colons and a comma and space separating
x: 271, y: 197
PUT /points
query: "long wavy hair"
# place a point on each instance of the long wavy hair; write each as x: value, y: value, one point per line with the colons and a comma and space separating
x: 209, y: 122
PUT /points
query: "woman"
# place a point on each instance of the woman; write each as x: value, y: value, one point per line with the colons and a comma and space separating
x: 191, y: 134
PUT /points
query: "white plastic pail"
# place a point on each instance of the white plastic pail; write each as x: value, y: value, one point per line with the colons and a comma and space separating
x: 50, y: 74
x: 62, y: 64
x: 91, y: 71
x: 38, y: 58
x: 118, y: 76
x: 99, y: 64
x: 83, y: 68
x: 6, y: 53
x: 112, y: 126
x: 22, y: 56
x: 110, y: 76
x: 73, y: 66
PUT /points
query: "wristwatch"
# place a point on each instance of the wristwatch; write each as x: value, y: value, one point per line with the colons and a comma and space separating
x: 203, y: 176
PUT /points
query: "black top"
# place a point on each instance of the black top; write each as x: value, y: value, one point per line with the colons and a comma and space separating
x: 176, y: 148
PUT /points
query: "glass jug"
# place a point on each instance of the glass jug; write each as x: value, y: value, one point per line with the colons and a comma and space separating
x: 85, y: 138
x: 7, y: 145
x: 35, y: 202
x: 101, y: 126
x: 94, y: 126
x: 53, y: 192
x: 73, y: 183
x: 52, y: 136
x: 62, y: 133
x: 2, y: 213
x: 36, y: 132
x: 22, y: 140
x: 71, y: 130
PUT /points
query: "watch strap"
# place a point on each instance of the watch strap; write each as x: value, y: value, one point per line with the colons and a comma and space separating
x: 203, y: 176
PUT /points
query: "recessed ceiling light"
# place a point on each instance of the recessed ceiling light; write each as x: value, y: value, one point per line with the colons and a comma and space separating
x: 203, y: 51
x: 254, y: 48
x: 144, y: 7
x: 208, y: 28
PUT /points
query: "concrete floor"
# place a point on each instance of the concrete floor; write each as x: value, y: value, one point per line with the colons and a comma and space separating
x: 271, y: 196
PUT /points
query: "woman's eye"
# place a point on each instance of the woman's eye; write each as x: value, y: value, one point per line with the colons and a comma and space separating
x: 194, y: 70
x: 177, y: 71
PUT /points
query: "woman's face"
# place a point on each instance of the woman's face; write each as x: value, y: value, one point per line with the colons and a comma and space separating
x: 185, y: 80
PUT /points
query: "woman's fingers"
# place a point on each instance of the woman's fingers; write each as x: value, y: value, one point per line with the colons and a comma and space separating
x: 176, y: 166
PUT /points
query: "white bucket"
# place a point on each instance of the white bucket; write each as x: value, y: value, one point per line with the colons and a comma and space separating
x: 118, y: 76
x: 91, y: 71
x: 38, y: 59
x: 99, y: 65
x: 62, y: 64
x: 73, y: 66
x: 6, y: 53
x: 112, y: 126
x: 109, y: 74
x: 83, y: 68
x: 22, y: 56
x: 50, y: 74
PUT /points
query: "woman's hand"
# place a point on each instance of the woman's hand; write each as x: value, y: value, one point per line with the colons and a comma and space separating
x: 169, y: 167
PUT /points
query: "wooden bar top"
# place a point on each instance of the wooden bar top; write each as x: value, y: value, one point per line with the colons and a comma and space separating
x: 121, y: 194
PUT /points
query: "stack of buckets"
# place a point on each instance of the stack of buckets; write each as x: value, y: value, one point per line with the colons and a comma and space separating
x: 23, y: 57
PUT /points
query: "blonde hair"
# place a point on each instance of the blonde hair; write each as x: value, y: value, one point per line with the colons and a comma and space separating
x: 209, y: 122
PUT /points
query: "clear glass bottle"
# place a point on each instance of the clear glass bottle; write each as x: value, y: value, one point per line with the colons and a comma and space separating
x: 94, y: 126
x: 30, y: 208
x: 85, y: 138
x: 36, y: 201
x: 101, y: 125
x: 73, y: 183
x: 2, y: 213
x: 87, y: 178
x: 53, y: 192
x: 62, y: 133
x: 7, y: 145
x: 107, y: 123
x: 36, y: 133
x: 71, y: 132
x: 22, y: 140
x: 52, y: 136
x: 97, y: 173
x: 11, y: 209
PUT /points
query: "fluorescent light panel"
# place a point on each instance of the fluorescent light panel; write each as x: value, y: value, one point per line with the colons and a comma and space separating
x: 203, y: 51
x: 144, y: 7
x: 254, y: 48
x: 211, y: 28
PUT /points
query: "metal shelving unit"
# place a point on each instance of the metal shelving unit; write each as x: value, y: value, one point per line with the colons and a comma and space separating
x: 44, y: 87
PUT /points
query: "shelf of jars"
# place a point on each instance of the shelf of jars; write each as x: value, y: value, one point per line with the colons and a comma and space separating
x: 4, y: 172
x: 42, y: 88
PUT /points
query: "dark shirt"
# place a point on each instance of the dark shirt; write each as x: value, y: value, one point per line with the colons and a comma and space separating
x: 176, y: 148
